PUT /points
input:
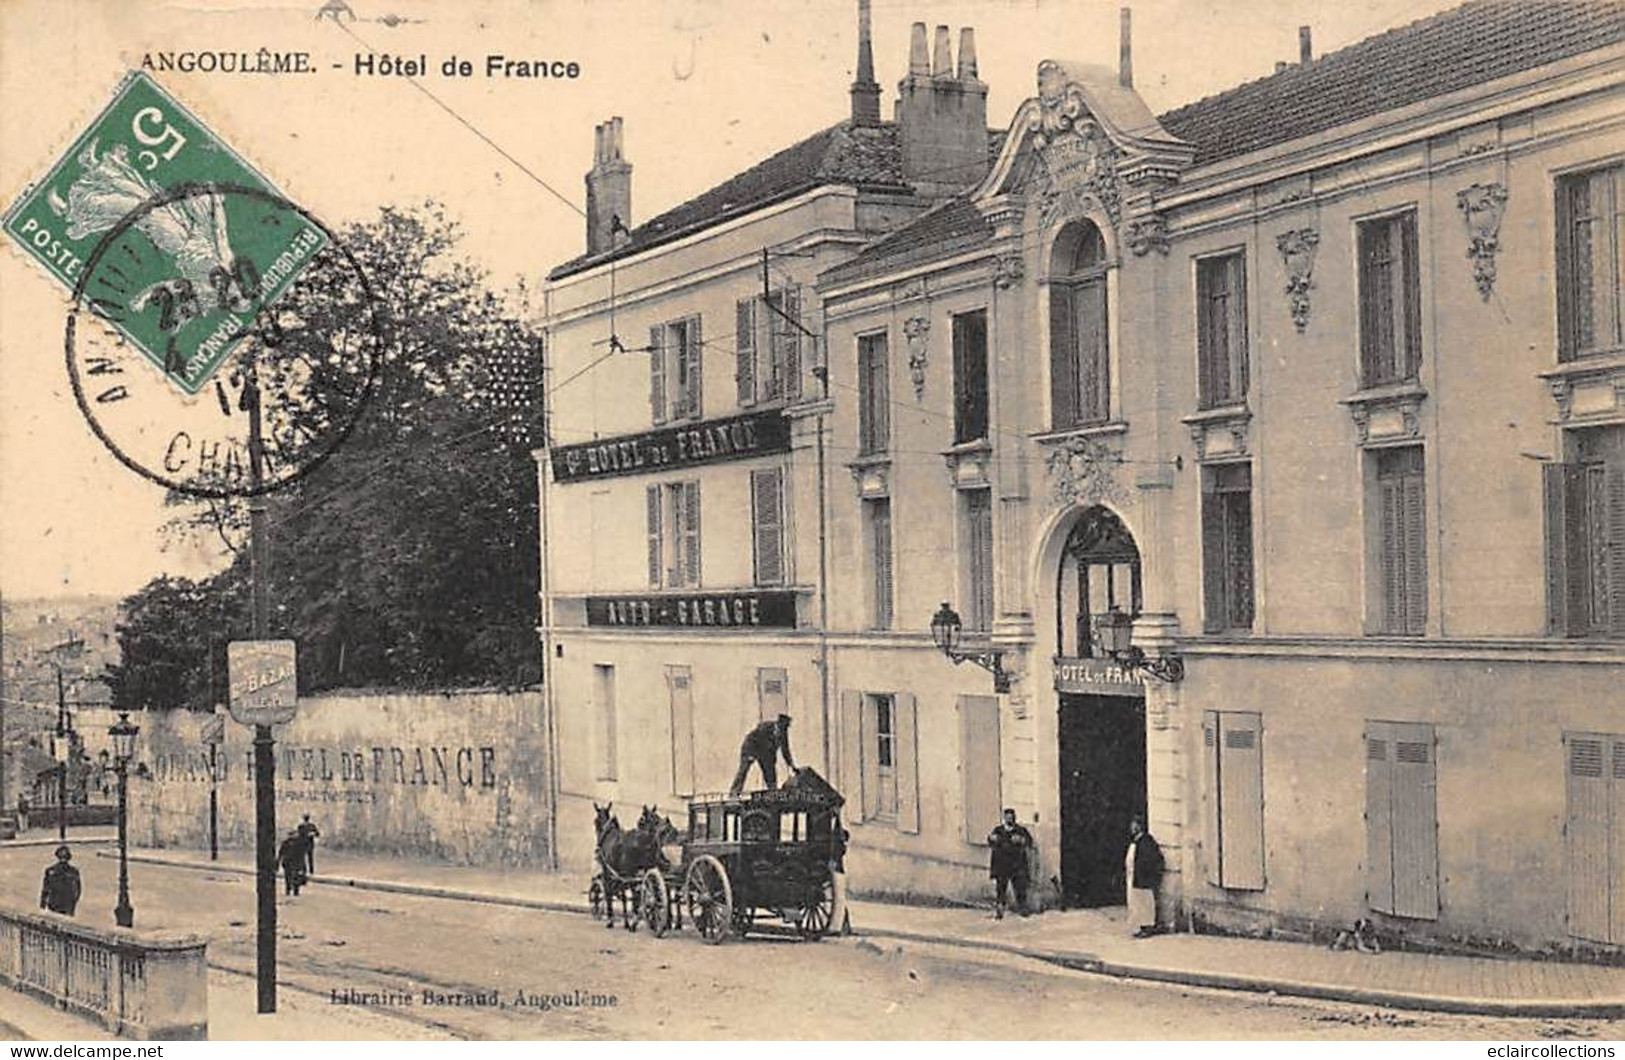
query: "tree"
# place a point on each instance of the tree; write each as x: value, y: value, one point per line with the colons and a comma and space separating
x: 409, y: 558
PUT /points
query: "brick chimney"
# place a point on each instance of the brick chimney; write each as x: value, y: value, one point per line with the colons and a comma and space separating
x: 942, y: 114
x: 865, y: 89
x: 609, y: 188
x: 1306, y: 47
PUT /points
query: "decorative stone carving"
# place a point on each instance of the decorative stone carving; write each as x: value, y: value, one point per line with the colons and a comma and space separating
x: 1297, y: 248
x: 1148, y: 233
x: 1387, y: 417
x: 1080, y: 168
x: 1563, y: 394
x: 1219, y: 436
x: 911, y: 291
x: 1008, y: 271
x: 1482, y: 206
x: 1083, y: 471
x: 918, y: 331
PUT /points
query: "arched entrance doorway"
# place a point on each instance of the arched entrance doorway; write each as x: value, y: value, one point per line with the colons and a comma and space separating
x: 1101, y: 710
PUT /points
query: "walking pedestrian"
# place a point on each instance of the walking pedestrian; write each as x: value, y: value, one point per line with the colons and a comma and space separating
x: 1011, y: 845
x: 291, y: 856
x: 1143, y: 865
x: 308, y: 833
x: 762, y: 746
x: 60, y: 891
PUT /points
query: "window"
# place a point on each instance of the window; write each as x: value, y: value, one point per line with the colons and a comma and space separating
x: 885, y: 711
x: 879, y: 757
x: 1390, y: 301
x: 679, y: 688
x: 977, y: 515
x: 877, y: 522
x: 1221, y: 330
x: 603, y: 704
x: 1400, y: 542
x: 772, y: 692
x: 1227, y: 547
x: 768, y: 343
x: 673, y: 522
x: 874, y: 395
x: 745, y: 319
x: 1233, y: 825
x: 970, y: 376
x: 1590, y: 223
x: 674, y: 370
x: 1080, y: 385
x: 1596, y: 812
x: 1401, y: 820
x: 767, y: 525
x: 1585, y: 536
x: 980, y: 770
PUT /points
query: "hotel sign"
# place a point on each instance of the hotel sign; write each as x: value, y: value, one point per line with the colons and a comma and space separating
x: 766, y: 609
x: 1095, y: 677
x: 669, y: 448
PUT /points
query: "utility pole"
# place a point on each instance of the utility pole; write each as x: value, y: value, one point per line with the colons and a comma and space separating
x: 65, y: 751
x: 259, y: 569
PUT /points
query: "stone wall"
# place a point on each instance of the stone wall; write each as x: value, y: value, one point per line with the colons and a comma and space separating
x: 457, y: 777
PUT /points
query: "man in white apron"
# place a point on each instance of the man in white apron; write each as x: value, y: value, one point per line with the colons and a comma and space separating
x: 1143, y: 866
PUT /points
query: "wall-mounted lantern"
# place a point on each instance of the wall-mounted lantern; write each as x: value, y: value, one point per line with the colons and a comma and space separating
x: 1116, y: 631
x: 947, y: 631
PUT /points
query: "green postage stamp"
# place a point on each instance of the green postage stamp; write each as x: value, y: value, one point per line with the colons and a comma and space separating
x: 204, y: 241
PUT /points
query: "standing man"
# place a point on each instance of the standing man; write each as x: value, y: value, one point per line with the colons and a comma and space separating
x: 1011, y: 844
x: 308, y: 832
x: 60, y: 892
x: 762, y: 746
x: 1144, y: 866
x: 291, y: 856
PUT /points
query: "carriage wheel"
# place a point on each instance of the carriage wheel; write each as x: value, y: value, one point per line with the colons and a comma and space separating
x: 710, y: 898
x: 655, y: 902
x: 819, y: 912
x: 595, y: 897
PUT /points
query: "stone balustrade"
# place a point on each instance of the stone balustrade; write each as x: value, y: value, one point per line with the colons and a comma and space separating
x: 139, y: 984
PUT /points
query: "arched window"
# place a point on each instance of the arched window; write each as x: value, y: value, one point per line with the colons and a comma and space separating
x: 1080, y: 373
x: 1100, y: 570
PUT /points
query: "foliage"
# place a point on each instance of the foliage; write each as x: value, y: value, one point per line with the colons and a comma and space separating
x: 409, y: 558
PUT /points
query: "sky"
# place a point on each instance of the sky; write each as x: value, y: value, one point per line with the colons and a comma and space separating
x: 706, y: 88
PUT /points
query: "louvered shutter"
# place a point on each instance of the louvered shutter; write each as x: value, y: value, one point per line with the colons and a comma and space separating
x: 906, y: 762
x: 1409, y: 266
x: 869, y: 756
x: 1379, y: 843
x: 881, y: 550
x: 1063, y: 359
x: 690, y: 544
x: 1240, y: 371
x: 1614, y: 477
x: 1586, y: 835
x: 1414, y: 496
x: 1213, y: 781
x: 1567, y: 337
x: 651, y: 496
x: 1554, y: 480
x: 767, y: 524
x: 979, y: 513
x: 679, y: 688
x: 1391, y: 490
x: 1214, y: 617
x: 851, y: 772
x: 1415, y: 822
x: 657, y: 374
x: 1241, y: 800
x: 694, y: 351
x: 1212, y: 336
x: 1094, y: 366
x: 745, y: 350
x: 979, y: 762
x: 791, y: 304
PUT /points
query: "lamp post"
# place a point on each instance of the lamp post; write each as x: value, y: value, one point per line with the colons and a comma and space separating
x: 123, y: 734
x: 62, y: 751
x: 947, y: 632
x: 1116, y: 631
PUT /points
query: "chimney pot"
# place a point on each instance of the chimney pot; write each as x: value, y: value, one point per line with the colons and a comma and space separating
x: 609, y: 187
x: 1306, y: 50
x: 941, y: 62
x: 919, y: 61
x: 1281, y: 64
x: 1125, y: 50
x: 967, y: 54
x: 865, y: 89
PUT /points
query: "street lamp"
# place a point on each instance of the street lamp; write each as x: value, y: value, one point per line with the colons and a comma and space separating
x: 62, y: 751
x: 947, y: 631
x: 123, y: 734
x: 1116, y: 631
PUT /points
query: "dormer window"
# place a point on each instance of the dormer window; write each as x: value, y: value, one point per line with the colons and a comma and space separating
x: 1080, y: 365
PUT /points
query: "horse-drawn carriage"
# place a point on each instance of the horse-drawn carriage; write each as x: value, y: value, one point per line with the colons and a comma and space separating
x: 773, y: 852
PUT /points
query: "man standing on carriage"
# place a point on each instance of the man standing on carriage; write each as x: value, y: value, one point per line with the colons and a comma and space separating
x: 762, y: 746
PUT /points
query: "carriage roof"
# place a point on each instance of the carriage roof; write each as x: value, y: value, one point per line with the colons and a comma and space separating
x: 802, y: 801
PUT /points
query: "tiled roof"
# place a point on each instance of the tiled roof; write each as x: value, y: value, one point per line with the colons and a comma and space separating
x: 864, y: 155
x: 1465, y: 46
x: 939, y: 233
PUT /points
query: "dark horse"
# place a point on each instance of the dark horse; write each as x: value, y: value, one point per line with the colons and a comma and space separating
x: 622, y: 857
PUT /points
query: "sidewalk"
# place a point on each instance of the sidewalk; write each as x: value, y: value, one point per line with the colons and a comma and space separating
x: 1094, y: 941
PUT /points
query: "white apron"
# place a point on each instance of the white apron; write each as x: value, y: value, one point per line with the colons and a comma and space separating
x: 1142, y: 901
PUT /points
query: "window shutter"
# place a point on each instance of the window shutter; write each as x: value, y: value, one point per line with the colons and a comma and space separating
x: 1409, y: 264
x: 1566, y: 337
x: 1415, y: 822
x: 1213, y: 555
x: 651, y: 495
x: 657, y: 374
x: 1094, y: 365
x: 1239, y: 556
x: 979, y: 535
x: 1416, y: 551
x: 791, y: 304
x: 1212, y: 332
x: 1393, y: 557
x: 905, y: 724
x: 1379, y: 843
x: 1239, y: 368
x: 767, y: 522
x: 881, y: 553
x: 979, y: 758
x: 1586, y: 835
x: 1241, y: 800
x: 852, y: 756
x: 1212, y: 848
x: 690, y: 496
x: 869, y: 730
x: 745, y: 350
x: 1376, y: 315
x: 1554, y: 486
x: 1615, y: 479
x: 679, y: 688
x: 1063, y: 359
x: 694, y: 349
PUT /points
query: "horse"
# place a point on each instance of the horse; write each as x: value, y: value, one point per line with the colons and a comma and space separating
x: 667, y: 838
x: 622, y: 858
